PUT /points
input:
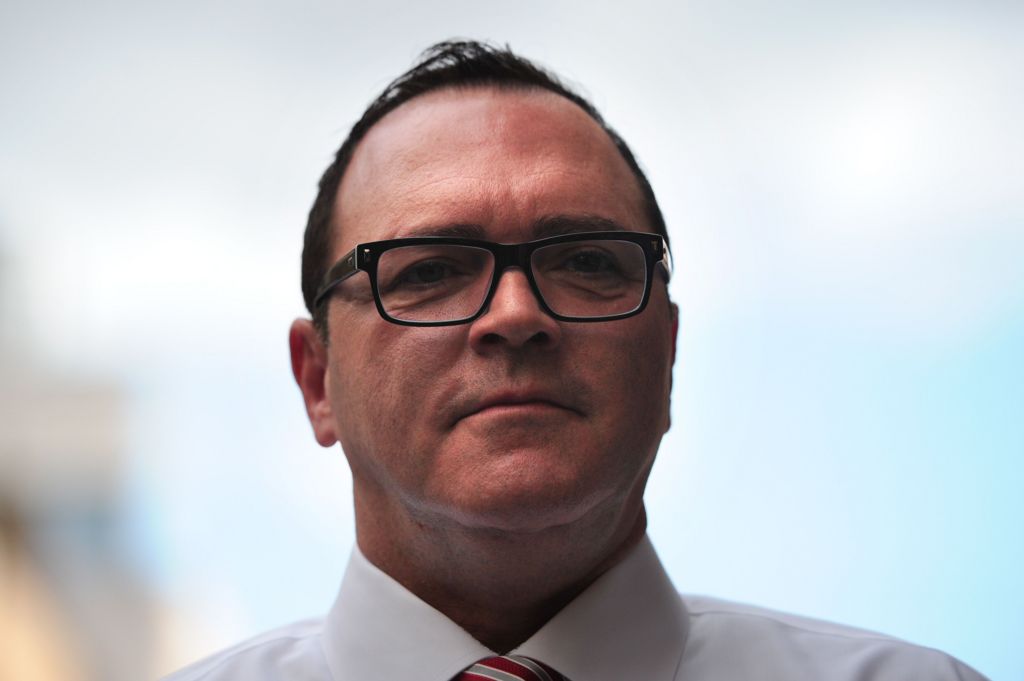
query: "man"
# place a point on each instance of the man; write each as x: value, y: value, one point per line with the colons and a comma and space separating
x: 501, y: 406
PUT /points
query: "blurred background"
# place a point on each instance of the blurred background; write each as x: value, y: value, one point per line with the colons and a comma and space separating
x: 845, y: 193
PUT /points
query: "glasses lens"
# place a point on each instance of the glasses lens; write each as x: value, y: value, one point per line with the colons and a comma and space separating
x: 597, y: 278
x: 434, y: 283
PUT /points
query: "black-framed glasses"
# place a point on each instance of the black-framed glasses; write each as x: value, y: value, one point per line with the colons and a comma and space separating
x: 439, y: 281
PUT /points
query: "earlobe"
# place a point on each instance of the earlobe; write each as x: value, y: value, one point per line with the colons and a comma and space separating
x: 309, y: 366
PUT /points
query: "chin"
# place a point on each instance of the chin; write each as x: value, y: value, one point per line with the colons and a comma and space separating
x: 525, y: 511
x: 526, y: 489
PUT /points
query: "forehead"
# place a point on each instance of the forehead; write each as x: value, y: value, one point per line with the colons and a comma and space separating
x: 499, y: 159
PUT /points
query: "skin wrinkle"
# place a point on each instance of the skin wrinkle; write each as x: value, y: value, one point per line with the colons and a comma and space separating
x: 433, y: 205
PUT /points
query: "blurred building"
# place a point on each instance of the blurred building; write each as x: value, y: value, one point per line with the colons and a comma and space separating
x: 70, y: 607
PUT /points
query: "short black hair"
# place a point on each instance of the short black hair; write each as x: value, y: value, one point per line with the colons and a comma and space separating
x: 448, y: 64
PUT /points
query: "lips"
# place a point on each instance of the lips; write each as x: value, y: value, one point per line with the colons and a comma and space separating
x: 511, y: 399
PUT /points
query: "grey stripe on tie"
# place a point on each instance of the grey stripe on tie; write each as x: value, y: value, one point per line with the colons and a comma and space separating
x: 492, y: 673
x: 532, y: 666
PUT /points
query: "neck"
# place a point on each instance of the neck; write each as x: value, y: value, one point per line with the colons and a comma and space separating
x: 500, y: 587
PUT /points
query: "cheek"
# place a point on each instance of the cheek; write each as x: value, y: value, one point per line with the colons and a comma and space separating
x: 638, y: 377
x: 381, y: 385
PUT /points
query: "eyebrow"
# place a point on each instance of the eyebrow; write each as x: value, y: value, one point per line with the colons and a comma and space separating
x: 549, y: 225
x: 463, y: 230
x: 556, y: 225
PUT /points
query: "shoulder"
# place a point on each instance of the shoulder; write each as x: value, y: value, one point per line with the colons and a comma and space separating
x: 746, y: 640
x: 289, y: 652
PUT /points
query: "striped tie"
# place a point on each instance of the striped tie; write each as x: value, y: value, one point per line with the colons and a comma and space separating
x: 509, y: 668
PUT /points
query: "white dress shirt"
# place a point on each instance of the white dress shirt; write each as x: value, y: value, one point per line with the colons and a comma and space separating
x: 630, y: 625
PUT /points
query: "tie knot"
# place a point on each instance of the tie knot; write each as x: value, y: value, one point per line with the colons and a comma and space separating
x: 510, y: 668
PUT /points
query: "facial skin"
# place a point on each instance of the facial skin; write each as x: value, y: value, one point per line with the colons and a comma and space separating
x: 478, y: 441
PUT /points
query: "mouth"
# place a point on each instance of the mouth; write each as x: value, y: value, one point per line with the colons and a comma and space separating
x: 518, y: 404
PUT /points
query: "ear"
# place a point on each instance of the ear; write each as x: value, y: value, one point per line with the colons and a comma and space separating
x: 674, y: 312
x: 675, y: 329
x: 309, y: 366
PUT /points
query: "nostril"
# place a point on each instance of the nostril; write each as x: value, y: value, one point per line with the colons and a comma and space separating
x: 490, y: 339
x: 539, y: 338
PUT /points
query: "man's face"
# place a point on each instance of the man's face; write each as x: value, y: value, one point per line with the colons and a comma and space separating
x: 515, y: 422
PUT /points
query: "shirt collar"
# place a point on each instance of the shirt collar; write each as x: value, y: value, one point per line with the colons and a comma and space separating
x: 630, y: 623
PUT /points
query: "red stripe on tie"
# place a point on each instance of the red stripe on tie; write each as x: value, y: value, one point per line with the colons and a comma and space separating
x: 509, y: 665
x: 516, y: 665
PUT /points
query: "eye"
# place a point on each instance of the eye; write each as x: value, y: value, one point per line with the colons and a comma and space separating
x: 429, y: 272
x: 591, y: 262
x: 431, y: 269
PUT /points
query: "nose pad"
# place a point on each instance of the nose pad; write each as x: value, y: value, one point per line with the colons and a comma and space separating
x: 514, y: 315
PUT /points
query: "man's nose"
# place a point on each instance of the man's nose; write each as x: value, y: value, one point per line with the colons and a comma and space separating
x: 514, y: 317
